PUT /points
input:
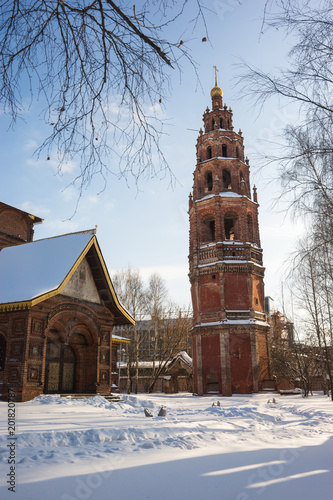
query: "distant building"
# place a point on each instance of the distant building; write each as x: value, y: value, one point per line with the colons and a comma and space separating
x: 269, y: 306
x: 176, y: 375
x: 153, y: 344
x: 58, y: 309
x: 148, y: 348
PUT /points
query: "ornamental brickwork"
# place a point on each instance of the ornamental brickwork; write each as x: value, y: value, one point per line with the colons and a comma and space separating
x: 58, y: 342
x: 229, y: 334
x: 16, y: 226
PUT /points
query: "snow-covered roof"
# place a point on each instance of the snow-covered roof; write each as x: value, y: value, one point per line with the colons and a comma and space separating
x: 223, y: 194
x: 184, y: 357
x: 120, y: 340
x: 141, y: 364
x: 34, y: 269
x: 226, y: 321
x: 181, y: 360
x: 33, y: 272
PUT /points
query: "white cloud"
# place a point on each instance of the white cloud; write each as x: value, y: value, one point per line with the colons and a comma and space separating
x: 55, y: 227
x: 30, y: 144
x: 168, y: 273
x: 52, y: 164
x: 35, y: 209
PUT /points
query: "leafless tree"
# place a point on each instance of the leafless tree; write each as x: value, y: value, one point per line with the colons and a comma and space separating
x: 298, y: 362
x: 162, y: 328
x: 173, y: 331
x: 308, y: 78
x: 156, y: 300
x: 101, y: 68
x: 304, y: 163
x: 130, y: 288
x: 313, y: 286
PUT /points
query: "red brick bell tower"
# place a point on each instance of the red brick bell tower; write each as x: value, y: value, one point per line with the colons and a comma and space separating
x: 229, y: 334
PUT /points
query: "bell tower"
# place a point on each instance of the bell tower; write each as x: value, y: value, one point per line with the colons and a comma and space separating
x: 229, y: 334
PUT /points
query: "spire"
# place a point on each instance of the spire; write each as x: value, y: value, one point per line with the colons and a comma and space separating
x: 216, y: 93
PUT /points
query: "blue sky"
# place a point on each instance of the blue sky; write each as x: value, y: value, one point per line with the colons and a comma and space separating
x: 149, y: 229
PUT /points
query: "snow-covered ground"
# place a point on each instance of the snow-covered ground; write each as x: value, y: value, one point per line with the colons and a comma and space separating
x: 244, y: 449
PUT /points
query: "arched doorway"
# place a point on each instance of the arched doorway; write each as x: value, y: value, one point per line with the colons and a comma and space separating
x: 60, y: 368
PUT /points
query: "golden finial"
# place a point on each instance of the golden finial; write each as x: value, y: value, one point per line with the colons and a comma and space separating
x: 216, y: 70
x: 216, y: 91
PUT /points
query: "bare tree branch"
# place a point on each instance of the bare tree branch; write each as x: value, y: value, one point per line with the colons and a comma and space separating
x: 101, y: 77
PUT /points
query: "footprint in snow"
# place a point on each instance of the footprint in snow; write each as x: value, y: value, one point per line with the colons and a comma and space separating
x: 25, y: 460
x: 147, y: 445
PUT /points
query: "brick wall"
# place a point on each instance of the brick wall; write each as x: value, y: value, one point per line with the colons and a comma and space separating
x: 15, y: 226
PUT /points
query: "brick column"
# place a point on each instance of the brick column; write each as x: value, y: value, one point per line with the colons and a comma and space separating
x: 255, y: 361
x: 225, y: 364
x: 199, y: 366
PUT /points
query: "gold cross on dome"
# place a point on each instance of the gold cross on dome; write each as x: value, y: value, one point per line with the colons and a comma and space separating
x: 216, y: 70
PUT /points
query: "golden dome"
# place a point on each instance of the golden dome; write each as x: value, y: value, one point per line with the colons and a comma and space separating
x: 216, y: 91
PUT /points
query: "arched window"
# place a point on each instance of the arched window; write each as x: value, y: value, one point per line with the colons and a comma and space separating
x: 208, y: 230
x: 221, y: 123
x: 241, y: 176
x: 212, y: 230
x: 226, y: 178
x: 237, y: 152
x: 209, y: 180
x: 213, y: 124
x: 209, y: 153
x: 250, y: 227
x: 2, y: 352
x: 230, y: 226
x: 224, y: 150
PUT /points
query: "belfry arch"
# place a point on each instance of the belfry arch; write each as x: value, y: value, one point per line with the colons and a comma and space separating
x: 208, y: 229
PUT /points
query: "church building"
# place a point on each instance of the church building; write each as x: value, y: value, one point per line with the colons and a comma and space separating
x: 58, y: 308
x: 229, y: 333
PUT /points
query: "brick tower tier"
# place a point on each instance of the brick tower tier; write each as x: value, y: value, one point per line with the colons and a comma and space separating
x: 229, y: 334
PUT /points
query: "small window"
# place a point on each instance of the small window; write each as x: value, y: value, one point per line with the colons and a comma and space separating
x: 250, y: 227
x: 82, y: 273
x: 213, y: 124
x: 212, y: 230
x: 226, y: 178
x: 229, y: 227
x: 237, y: 152
x: 209, y: 181
x: 17, y: 325
x: 209, y: 153
x: 221, y: 123
x: 224, y: 151
x: 37, y: 326
x: 208, y: 230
